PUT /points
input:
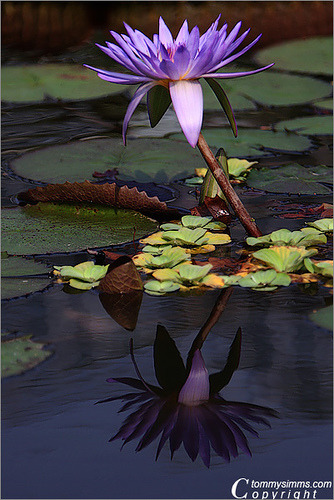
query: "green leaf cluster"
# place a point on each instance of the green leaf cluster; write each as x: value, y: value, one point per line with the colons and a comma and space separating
x: 264, y: 280
x: 283, y: 237
x: 323, y: 225
x: 168, y: 258
x: 322, y: 267
x: 284, y: 258
x: 83, y: 276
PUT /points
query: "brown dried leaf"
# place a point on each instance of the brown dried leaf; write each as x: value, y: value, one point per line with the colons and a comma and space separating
x: 101, y: 194
x: 123, y: 307
x: 122, y: 277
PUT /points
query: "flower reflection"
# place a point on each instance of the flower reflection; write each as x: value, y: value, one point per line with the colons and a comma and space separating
x: 187, y: 407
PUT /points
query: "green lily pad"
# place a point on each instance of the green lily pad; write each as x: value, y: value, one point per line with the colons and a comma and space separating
x: 284, y: 259
x: 20, y: 355
x: 325, y: 103
x: 292, y: 178
x: 250, y: 142
x: 143, y: 160
x: 314, y: 55
x: 269, y: 88
x: 19, y: 277
x: 278, y: 89
x: 34, y: 83
x: 323, y: 317
x: 48, y: 227
x: 308, y: 125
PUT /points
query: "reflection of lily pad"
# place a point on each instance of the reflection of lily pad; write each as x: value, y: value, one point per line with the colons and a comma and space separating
x: 48, y: 227
x: 250, y: 142
x: 18, y: 277
x: 292, y: 179
x: 323, y: 317
x: 60, y: 81
x: 145, y: 160
x: 309, y: 125
x: 314, y: 55
x: 20, y: 355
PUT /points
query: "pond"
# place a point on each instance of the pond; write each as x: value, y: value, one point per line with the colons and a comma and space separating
x: 55, y: 439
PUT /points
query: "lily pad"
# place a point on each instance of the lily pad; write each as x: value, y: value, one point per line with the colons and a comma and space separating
x: 20, y: 276
x: 20, y: 355
x: 325, y: 103
x: 143, y: 160
x: 269, y: 88
x: 308, y: 125
x: 48, y: 227
x: 292, y: 178
x: 34, y: 83
x: 278, y: 89
x: 314, y: 55
x: 250, y: 142
x: 323, y: 317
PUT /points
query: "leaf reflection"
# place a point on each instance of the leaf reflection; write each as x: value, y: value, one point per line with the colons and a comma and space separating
x: 186, y: 407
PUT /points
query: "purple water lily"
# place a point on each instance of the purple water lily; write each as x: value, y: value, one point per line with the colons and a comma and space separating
x: 169, y: 69
x: 187, y: 407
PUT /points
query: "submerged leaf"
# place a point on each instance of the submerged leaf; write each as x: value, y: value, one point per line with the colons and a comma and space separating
x: 323, y: 317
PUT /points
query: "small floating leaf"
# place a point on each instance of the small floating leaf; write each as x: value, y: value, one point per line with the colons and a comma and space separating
x: 265, y: 280
x: 155, y: 287
x: 323, y: 267
x: 324, y: 225
x: 20, y: 355
x: 284, y: 237
x: 284, y: 259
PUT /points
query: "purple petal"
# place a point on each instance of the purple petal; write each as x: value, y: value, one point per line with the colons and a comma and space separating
x: 170, y: 69
x: 165, y: 35
x: 182, y: 60
x: 235, y: 56
x: 183, y: 34
x: 237, y: 75
x: 196, y: 389
x: 169, y: 425
x: 210, y: 424
x: 193, y: 42
x: 191, y: 433
x: 138, y: 95
x: 158, y: 426
x: 187, y: 98
x: 204, y: 446
x: 120, y: 78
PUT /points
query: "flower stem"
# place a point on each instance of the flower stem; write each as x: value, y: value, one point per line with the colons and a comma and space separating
x: 225, y: 185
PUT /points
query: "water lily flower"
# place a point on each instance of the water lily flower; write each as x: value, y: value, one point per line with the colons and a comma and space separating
x: 186, y: 407
x: 168, y: 70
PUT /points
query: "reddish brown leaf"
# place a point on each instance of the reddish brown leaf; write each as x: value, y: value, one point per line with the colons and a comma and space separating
x: 214, y: 207
x: 101, y: 194
x: 123, y: 307
x: 122, y: 277
x: 108, y: 175
x: 223, y: 265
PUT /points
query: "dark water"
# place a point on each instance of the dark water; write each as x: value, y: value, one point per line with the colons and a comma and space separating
x: 55, y: 440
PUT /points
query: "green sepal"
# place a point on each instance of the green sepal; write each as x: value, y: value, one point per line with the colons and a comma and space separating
x: 158, y: 101
x: 224, y: 102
